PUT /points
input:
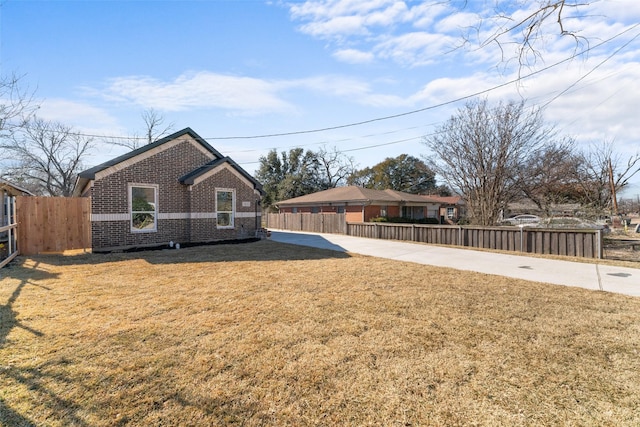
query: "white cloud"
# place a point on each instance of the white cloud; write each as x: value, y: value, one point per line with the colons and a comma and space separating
x: 416, y: 48
x: 199, y: 90
x: 383, y: 28
x: 338, y: 26
x: 353, y: 56
x: 73, y: 112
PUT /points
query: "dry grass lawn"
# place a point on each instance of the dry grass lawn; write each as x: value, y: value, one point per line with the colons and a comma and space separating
x: 270, y: 334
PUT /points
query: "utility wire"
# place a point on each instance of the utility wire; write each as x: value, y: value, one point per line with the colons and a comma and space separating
x: 420, y: 110
x: 615, y: 52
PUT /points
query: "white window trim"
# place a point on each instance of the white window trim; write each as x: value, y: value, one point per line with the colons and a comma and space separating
x: 233, y: 208
x: 155, y: 214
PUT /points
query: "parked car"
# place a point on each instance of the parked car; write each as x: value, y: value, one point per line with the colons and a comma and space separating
x: 573, y: 222
x: 524, y: 219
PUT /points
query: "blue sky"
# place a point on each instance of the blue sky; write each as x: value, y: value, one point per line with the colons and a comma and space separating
x: 251, y: 68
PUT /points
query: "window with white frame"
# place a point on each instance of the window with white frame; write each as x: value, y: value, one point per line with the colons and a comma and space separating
x: 225, y: 201
x: 143, y: 206
x: 450, y: 212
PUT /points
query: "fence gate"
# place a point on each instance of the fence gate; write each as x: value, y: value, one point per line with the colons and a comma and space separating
x: 53, y: 224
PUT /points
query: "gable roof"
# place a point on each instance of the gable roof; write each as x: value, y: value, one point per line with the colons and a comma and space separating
x: 354, y: 194
x: 191, y: 177
x: 90, y: 174
x: 13, y: 189
x: 447, y: 200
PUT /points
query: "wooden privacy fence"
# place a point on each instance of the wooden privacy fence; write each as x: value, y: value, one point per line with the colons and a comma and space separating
x: 53, y: 224
x: 315, y: 223
x: 575, y: 242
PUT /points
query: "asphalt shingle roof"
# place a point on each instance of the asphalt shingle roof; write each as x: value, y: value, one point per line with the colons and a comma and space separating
x: 355, y: 194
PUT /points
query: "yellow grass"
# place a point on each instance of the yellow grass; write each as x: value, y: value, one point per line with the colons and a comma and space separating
x: 271, y: 334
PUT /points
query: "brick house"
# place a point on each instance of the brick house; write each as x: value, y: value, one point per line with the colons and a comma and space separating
x: 361, y: 204
x: 177, y: 189
x: 452, y: 208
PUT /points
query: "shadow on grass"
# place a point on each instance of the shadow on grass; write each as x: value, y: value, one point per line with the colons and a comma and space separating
x: 9, y: 417
x: 241, y: 251
x: 33, y: 378
x: 28, y: 271
x: 27, y: 277
x: 30, y: 378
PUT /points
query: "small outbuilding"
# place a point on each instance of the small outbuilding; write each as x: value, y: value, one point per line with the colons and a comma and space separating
x: 178, y: 189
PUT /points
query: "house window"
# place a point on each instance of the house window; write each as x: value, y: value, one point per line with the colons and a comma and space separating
x: 383, y: 211
x: 315, y: 209
x: 224, y: 208
x: 294, y: 210
x: 143, y: 205
x: 340, y: 209
x: 450, y: 213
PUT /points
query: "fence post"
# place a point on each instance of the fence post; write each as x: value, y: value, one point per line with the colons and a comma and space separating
x: 521, y: 237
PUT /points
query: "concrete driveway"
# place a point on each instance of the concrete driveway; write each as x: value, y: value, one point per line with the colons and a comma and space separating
x: 585, y: 275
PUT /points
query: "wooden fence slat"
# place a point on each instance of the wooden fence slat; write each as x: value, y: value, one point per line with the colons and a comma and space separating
x: 579, y: 243
x: 53, y: 224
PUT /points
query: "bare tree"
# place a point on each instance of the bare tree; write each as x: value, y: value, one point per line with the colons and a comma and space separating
x: 481, y: 151
x: 47, y: 156
x: 550, y: 176
x: 602, y: 174
x: 16, y: 105
x: 155, y: 128
x: 155, y: 125
x: 527, y: 32
x: 334, y: 167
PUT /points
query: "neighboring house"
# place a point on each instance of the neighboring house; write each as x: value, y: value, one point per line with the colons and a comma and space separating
x: 177, y: 189
x: 8, y: 189
x: 362, y: 204
x: 452, y: 208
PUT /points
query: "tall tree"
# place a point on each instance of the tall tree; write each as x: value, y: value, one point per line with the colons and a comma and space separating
x: 602, y: 174
x: 480, y: 152
x: 155, y: 127
x: 289, y: 175
x: 333, y: 168
x: 403, y: 173
x: 47, y: 157
x: 550, y: 176
x: 16, y: 105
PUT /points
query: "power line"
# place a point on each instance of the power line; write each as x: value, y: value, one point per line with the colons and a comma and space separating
x: 591, y: 71
x: 420, y: 110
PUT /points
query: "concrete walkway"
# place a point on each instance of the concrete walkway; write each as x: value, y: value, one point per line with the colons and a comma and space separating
x: 593, y: 276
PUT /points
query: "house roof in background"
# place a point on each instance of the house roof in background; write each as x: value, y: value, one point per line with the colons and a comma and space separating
x: 354, y: 194
x: 4, y: 184
x: 447, y: 200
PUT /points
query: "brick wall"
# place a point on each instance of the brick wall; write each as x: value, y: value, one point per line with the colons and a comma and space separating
x: 109, y: 195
